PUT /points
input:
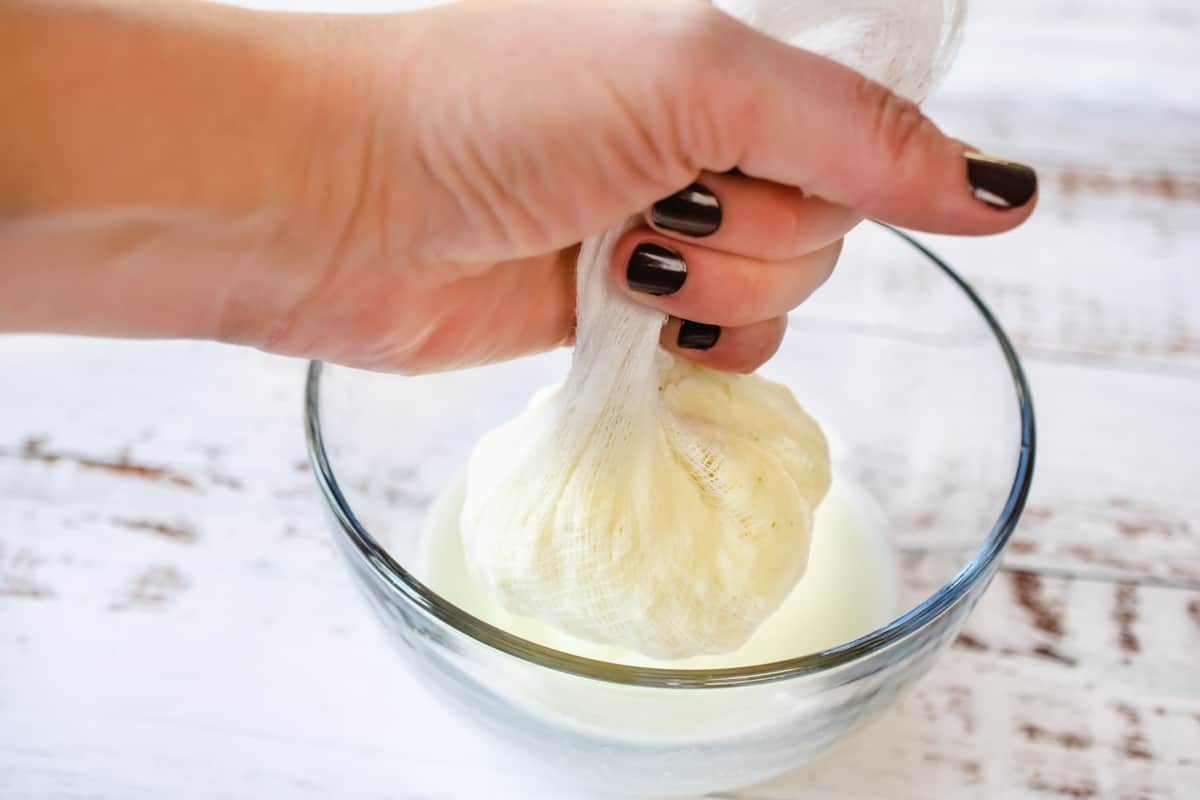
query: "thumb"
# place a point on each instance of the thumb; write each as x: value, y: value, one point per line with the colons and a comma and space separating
x: 790, y: 116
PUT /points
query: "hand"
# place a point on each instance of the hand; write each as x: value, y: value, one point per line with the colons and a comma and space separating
x: 446, y: 164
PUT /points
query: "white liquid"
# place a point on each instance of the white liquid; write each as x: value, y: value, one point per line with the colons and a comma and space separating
x: 848, y: 590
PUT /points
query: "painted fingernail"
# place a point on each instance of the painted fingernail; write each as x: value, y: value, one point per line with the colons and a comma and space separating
x: 697, y: 335
x: 693, y: 212
x: 1000, y: 183
x: 653, y: 269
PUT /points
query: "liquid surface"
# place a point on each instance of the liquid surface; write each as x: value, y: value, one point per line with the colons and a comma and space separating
x: 848, y: 590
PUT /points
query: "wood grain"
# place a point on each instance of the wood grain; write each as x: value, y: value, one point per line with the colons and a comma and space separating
x: 1059, y: 688
x: 1102, y: 98
x: 173, y: 621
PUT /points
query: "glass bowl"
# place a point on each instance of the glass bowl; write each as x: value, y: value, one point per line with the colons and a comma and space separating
x: 928, y: 412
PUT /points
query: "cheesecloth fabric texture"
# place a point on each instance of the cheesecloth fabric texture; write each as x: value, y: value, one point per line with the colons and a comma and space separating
x: 650, y: 503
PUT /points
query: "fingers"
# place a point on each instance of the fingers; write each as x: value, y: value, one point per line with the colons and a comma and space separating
x: 792, y: 117
x: 881, y: 155
x: 739, y: 349
x: 755, y: 218
x: 750, y: 250
x: 736, y: 253
x: 698, y: 283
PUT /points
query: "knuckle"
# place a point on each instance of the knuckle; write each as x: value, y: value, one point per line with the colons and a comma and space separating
x: 772, y: 337
x: 895, y: 124
x: 831, y: 256
x: 696, y: 37
x: 835, y: 251
x: 795, y: 227
x: 759, y: 343
x: 697, y: 58
x: 819, y: 265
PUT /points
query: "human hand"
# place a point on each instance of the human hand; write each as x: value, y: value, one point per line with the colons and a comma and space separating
x: 445, y: 165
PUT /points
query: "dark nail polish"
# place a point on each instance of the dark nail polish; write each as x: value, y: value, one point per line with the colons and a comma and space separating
x: 999, y: 183
x: 653, y: 269
x: 693, y: 212
x: 697, y: 335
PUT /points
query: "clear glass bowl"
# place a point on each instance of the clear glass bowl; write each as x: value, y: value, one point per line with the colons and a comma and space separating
x: 929, y: 412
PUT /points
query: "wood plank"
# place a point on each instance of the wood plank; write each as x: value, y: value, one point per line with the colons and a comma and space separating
x: 1102, y: 97
x: 1059, y: 688
x: 173, y: 621
x: 1105, y: 273
x: 1114, y: 489
x: 137, y: 458
x: 1024, y: 62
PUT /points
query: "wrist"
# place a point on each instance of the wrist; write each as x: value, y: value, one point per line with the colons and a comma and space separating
x: 148, y: 161
x: 353, y: 186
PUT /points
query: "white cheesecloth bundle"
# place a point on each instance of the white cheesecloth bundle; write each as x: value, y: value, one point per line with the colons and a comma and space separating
x: 649, y: 503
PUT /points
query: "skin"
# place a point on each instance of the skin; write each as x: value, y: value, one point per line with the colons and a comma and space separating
x: 407, y: 192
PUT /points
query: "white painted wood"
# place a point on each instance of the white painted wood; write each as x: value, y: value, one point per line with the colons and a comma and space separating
x: 191, y: 630
x: 1045, y: 695
x: 173, y: 621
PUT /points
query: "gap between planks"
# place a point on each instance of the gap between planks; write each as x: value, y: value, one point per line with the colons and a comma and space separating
x: 1080, y: 575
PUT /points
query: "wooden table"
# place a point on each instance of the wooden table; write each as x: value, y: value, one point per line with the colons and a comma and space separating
x: 173, y: 622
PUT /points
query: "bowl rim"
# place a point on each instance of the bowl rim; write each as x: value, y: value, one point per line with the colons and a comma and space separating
x: 929, y: 610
